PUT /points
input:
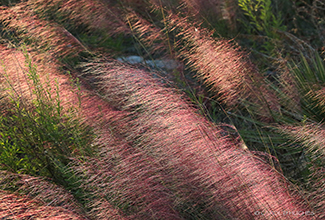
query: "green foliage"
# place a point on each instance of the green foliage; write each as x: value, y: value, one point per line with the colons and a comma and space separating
x: 38, y: 138
x: 310, y: 79
x: 262, y: 21
x: 12, y: 155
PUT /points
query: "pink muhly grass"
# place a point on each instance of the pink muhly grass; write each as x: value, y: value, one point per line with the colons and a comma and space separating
x: 123, y: 175
x: 150, y: 35
x: 44, y: 34
x: 318, y: 95
x: 12, y: 71
x: 221, y: 65
x: 23, y: 207
x: 104, y: 210
x: 129, y: 179
x: 186, y: 146
x: 316, y: 196
x: 207, y: 170
x: 311, y: 135
x: 95, y: 14
x: 39, y: 189
x: 312, y: 138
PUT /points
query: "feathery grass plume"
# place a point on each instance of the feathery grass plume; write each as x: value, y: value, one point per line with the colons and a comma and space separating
x: 128, y: 181
x: 104, y: 210
x: 320, y: 97
x: 39, y: 189
x: 310, y: 135
x: 151, y: 36
x: 121, y: 175
x: 41, y: 34
x: 97, y: 14
x: 23, y: 207
x: 13, y: 70
x: 312, y: 138
x: 316, y: 193
x: 221, y: 65
x: 209, y: 173
x: 94, y: 14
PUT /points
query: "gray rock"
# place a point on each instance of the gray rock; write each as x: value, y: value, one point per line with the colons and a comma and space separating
x: 131, y: 59
x: 166, y: 64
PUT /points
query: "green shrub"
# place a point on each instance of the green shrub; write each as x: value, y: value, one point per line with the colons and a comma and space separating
x: 37, y: 137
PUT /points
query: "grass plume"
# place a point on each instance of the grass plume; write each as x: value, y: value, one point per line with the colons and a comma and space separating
x: 193, y: 151
x: 13, y: 207
x: 43, y: 35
